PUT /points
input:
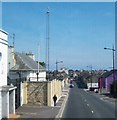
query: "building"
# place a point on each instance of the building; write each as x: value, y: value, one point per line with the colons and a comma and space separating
x: 7, y: 93
x: 23, y: 67
x: 64, y: 70
x: 26, y: 67
x: 92, y: 82
x: 106, y: 80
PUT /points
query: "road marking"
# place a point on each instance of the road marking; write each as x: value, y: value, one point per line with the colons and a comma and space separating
x: 101, y: 98
x: 22, y: 113
x: 92, y: 111
x: 87, y: 104
x: 64, y: 95
x: 57, y: 106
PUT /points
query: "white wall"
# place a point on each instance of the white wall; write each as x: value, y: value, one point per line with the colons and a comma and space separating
x: 5, y: 104
x: 33, y: 76
x: 3, y: 57
x: 94, y: 85
x: 29, y: 74
x: 42, y: 76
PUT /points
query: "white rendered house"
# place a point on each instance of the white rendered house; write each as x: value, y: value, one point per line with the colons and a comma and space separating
x: 27, y: 67
x: 7, y: 93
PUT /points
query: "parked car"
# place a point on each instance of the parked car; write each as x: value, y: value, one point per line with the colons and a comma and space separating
x: 96, y: 90
x: 71, y: 85
x: 87, y: 90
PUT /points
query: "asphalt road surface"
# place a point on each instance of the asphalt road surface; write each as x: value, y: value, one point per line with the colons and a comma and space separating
x: 82, y: 104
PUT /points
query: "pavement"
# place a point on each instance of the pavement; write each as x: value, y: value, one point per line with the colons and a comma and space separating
x: 35, y: 111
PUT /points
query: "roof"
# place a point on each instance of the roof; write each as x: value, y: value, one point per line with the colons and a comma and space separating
x: 3, y: 31
x: 24, y: 62
x: 108, y: 73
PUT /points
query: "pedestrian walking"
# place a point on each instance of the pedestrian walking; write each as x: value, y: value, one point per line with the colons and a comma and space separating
x: 54, y: 99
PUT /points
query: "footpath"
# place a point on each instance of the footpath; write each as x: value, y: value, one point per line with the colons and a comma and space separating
x: 35, y: 111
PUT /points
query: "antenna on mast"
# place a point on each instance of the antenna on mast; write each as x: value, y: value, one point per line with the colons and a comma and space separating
x: 47, y: 38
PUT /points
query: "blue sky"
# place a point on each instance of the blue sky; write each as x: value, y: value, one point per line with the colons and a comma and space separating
x: 79, y: 31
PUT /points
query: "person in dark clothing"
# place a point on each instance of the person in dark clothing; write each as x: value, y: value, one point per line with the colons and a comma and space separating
x: 54, y: 99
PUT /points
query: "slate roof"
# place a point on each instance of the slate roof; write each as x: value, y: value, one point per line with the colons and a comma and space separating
x: 24, y: 62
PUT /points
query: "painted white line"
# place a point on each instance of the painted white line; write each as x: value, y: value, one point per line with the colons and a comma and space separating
x: 64, y: 95
x: 92, y: 111
x: 26, y: 113
x: 57, y: 106
x: 87, y: 104
x: 101, y: 98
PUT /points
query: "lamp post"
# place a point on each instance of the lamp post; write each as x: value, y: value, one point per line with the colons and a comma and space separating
x: 91, y: 75
x: 57, y: 66
x: 113, y: 50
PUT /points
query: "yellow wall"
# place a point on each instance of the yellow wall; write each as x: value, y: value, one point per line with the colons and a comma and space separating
x: 54, y: 87
x: 24, y: 87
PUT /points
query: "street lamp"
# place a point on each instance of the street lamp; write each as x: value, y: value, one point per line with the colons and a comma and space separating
x: 91, y: 74
x: 113, y: 50
x: 57, y: 66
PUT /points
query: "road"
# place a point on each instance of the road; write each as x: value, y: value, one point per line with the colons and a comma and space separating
x: 82, y: 104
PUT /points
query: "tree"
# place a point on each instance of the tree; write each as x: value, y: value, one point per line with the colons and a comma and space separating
x: 42, y: 63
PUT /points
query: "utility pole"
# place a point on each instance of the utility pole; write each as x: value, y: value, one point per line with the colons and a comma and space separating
x: 47, y: 41
x: 91, y: 75
x: 114, y: 88
x: 113, y: 62
x: 13, y: 40
x: 57, y: 66
x: 113, y: 50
